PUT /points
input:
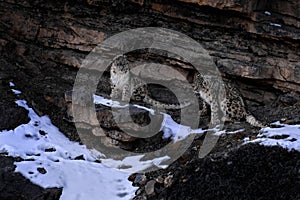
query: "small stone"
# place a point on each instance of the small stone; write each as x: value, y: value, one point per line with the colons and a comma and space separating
x: 185, y: 180
x: 52, y: 149
x: 30, y: 159
x: 168, y: 181
x: 42, y: 170
x: 28, y: 135
x: 253, y: 137
x: 42, y: 132
x: 283, y: 119
x: 149, y: 187
x: 19, y: 159
x: 132, y: 177
x: 81, y: 157
x: 159, y: 180
x: 140, y: 179
x: 138, y: 192
x: 194, y: 149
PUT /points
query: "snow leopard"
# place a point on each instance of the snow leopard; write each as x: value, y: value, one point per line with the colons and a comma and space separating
x: 225, y: 100
x: 126, y: 86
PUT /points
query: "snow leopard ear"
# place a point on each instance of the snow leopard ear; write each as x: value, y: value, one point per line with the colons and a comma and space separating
x: 205, y: 81
x: 120, y: 60
x: 199, y: 78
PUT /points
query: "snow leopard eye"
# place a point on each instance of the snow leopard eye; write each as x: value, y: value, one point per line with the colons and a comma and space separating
x: 199, y: 78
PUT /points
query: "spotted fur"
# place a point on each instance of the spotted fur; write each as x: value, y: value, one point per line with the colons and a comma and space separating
x: 226, y: 102
x: 126, y: 86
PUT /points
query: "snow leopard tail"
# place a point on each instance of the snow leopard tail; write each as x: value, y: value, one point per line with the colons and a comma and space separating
x: 253, y: 121
x: 161, y: 105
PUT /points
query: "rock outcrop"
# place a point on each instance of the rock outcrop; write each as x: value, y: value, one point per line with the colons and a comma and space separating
x: 250, y: 172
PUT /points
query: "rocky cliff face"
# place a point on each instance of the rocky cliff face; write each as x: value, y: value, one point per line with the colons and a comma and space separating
x: 254, y: 42
x: 260, y: 41
x: 253, y: 16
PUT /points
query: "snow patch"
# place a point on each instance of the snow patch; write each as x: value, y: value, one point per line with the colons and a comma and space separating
x: 134, y: 164
x: 11, y: 84
x: 52, y: 160
x: 229, y: 132
x: 274, y: 24
x: 16, y: 91
x: 43, y: 146
x: 267, y: 13
x: 286, y: 136
x: 171, y: 129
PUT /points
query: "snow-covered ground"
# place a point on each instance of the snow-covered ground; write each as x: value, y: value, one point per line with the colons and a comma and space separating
x: 286, y: 136
x: 49, y: 156
x: 276, y: 25
x: 44, y: 147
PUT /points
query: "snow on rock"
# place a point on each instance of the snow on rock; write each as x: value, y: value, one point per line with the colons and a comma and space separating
x: 135, y: 163
x: 171, y: 129
x: 177, y: 131
x: 11, y: 84
x: 52, y: 160
x: 267, y: 13
x: 221, y: 132
x: 274, y: 24
x: 16, y: 91
x: 49, y: 161
x: 284, y: 135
